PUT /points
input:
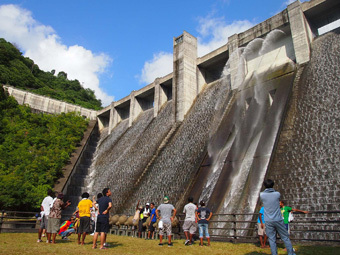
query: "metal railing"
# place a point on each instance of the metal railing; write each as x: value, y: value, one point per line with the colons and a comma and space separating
x: 18, y: 221
x: 320, y: 226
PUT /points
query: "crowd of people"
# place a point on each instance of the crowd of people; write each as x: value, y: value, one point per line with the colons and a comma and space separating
x: 92, y: 216
x: 195, y: 217
x: 88, y: 211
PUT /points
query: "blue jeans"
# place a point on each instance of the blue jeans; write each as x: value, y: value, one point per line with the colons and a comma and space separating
x: 203, y: 227
x: 273, y: 227
x: 68, y: 231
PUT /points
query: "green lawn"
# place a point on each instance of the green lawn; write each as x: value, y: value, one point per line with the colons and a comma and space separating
x: 26, y: 244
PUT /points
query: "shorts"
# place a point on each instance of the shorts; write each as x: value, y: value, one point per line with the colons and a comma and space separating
x: 44, y: 222
x: 190, y: 226
x: 261, y: 231
x: 53, y: 225
x: 167, y: 228
x: 151, y: 227
x: 203, y: 229
x: 102, y: 225
x: 84, y: 225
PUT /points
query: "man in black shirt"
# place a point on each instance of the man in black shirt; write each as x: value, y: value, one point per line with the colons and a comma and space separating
x: 102, y: 227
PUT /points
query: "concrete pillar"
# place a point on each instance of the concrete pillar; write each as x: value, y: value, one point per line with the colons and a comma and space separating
x: 113, y: 121
x: 100, y: 123
x: 301, y: 32
x: 184, y: 88
x: 157, y: 105
x: 200, y: 79
x: 234, y: 60
x: 160, y: 97
x: 133, y: 105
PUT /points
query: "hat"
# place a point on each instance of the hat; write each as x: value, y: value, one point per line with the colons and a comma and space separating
x: 147, y: 204
x: 166, y: 199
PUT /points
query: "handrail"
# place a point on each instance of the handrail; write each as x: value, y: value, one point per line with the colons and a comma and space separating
x: 230, y: 230
x: 68, y: 178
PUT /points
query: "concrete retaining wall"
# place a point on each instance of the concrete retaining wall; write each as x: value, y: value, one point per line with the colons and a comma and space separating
x: 48, y: 105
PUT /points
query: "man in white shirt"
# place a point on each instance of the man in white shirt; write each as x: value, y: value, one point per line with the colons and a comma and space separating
x: 166, y: 213
x: 45, y: 211
x: 189, y: 225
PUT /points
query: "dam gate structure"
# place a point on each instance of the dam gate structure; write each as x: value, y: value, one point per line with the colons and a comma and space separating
x: 265, y: 104
x: 219, y: 124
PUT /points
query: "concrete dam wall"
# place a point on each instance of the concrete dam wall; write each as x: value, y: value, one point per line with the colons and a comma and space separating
x: 263, y: 105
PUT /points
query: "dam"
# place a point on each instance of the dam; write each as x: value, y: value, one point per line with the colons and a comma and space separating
x: 266, y: 104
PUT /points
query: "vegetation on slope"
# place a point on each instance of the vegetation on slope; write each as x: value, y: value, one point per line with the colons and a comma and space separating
x: 33, y: 150
x: 21, y: 72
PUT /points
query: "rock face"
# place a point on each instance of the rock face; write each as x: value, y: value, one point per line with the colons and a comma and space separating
x: 306, y: 166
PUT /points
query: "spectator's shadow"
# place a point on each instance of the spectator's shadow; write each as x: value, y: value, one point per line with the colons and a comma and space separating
x: 257, y: 253
x: 113, y: 244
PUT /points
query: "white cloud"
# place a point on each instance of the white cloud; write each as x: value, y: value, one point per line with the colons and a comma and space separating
x: 42, y: 44
x: 289, y: 2
x: 159, y: 66
x: 214, y: 32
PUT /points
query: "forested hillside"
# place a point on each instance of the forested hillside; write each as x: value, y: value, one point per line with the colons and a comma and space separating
x: 21, y: 72
x: 33, y: 147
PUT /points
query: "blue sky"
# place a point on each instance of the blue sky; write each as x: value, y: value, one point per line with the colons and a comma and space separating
x: 114, y: 47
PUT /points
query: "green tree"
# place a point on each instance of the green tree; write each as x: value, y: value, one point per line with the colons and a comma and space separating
x: 33, y: 150
x: 21, y: 72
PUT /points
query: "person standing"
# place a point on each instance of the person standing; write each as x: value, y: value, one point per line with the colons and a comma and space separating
x: 261, y: 229
x: 94, y: 212
x: 153, y: 219
x: 102, y: 226
x: 166, y: 213
x: 146, y: 214
x: 189, y: 225
x: 203, y: 215
x: 84, y: 209
x: 140, y: 221
x: 135, y: 219
x: 285, y: 211
x: 45, y: 212
x: 55, y: 216
x: 273, y: 218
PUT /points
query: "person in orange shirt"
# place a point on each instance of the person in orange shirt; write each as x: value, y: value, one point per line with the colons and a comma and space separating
x: 84, y: 209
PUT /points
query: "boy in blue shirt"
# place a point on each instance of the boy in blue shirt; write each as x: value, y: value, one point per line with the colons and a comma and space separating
x: 153, y: 219
x: 261, y: 229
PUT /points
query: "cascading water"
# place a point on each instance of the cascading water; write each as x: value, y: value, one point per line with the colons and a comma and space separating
x: 238, y: 160
x: 175, y: 167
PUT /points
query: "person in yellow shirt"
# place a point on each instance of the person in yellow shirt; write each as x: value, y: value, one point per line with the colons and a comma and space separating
x: 84, y: 210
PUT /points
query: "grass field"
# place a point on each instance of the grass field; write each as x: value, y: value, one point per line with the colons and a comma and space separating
x: 23, y: 243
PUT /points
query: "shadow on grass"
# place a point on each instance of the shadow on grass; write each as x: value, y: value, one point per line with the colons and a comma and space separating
x: 113, y: 244
x: 319, y: 250
x: 255, y: 253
